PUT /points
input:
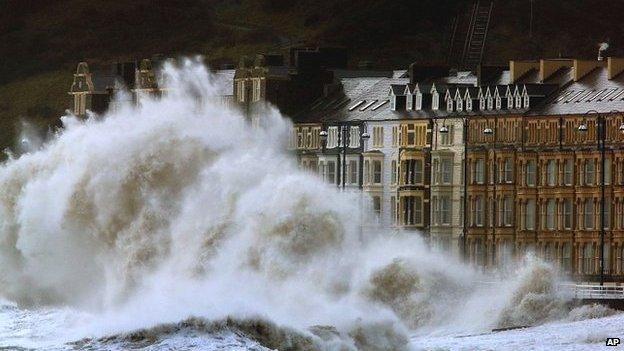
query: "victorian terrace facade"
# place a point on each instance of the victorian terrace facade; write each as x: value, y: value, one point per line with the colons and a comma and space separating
x: 538, y: 179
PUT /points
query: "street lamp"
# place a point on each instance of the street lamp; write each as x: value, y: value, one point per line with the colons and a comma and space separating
x: 489, y: 131
x: 444, y: 129
x: 323, y: 135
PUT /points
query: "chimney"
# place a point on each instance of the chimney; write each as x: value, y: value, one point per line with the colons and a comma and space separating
x: 582, y: 67
x: 519, y: 68
x: 615, y: 66
x: 550, y: 66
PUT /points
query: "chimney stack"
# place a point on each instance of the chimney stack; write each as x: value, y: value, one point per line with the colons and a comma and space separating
x: 582, y: 67
x: 550, y: 66
x: 519, y: 68
x: 615, y: 66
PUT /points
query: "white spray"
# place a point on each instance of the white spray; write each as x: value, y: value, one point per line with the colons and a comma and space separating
x: 179, y: 208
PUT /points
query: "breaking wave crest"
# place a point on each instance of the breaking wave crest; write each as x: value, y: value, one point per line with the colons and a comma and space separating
x: 176, y: 208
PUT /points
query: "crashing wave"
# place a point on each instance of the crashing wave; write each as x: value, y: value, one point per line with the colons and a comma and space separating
x: 180, y: 207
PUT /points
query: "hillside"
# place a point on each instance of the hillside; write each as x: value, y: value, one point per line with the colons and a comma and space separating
x: 41, y: 41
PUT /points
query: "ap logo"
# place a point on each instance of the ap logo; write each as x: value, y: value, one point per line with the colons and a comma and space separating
x: 613, y: 341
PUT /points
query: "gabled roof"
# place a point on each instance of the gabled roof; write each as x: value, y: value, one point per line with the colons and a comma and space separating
x: 410, y: 88
x: 397, y: 89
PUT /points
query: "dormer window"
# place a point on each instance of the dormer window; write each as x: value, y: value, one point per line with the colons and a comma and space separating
x: 498, y: 103
x: 518, y: 101
x: 490, y: 103
x: 410, y: 102
x: 419, y: 97
x: 435, y: 101
x: 393, y: 102
x: 526, y: 101
x: 449, y: 104
x: 469, y: 105
x: 482, y: 104
x: 510, y: 102
x: 460, y: 105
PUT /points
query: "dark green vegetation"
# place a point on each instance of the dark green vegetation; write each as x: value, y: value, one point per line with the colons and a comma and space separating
x: 41, y: 41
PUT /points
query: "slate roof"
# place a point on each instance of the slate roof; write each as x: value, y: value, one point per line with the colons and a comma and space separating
x: 594, y: 91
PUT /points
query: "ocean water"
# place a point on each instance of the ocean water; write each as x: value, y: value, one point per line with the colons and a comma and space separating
x: 176, y: 225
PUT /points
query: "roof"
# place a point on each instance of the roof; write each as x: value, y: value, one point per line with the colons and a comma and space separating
x: 398, y: 89
x: 594, y: 91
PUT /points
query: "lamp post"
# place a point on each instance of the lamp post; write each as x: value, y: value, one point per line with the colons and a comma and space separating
x: 601, y: 136
x: 489, y: 131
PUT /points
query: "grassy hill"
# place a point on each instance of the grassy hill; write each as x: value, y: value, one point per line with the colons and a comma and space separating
x: 41, y: 41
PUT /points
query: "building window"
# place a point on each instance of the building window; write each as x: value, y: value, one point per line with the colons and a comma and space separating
x: 566, y: 257
x: 588, y: 258
x: 411, y: 135
x: 567, y: 214
x: 529, y: 216
x: 256, y: 89
x: 353, y: 172
x: 378, y: 136
x: 447, y: 138
x: 548, y: 252
x: 607, y: 171
x: 241, y: 90
x: 435, y: 101
x: 377, y: 172
x: 588, y: 172
x: 366, y: 172
x: 478, y: 211
x: 507, y: 211
x: 393, y: 172
x: 498, y: 103
x: 395, y: 136
x: 551, y: 173
x: 446, y: 170
x: 413, y: 172
x: 332, y: 137
x: 588, y: 214
x: 449, y: 104
x: 445, y: 210
x: 354, y: 137
x: 377, y: 206
x: 480, y: 171
x: 568, y: 171
x: 331, y: 172
x: 412, y: 210
x: 530, y: 173
x: 550, y: 214
x: 507, y: 170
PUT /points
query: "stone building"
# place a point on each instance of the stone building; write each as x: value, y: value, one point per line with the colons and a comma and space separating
x: 536, y: 176
x: 95, y: 90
